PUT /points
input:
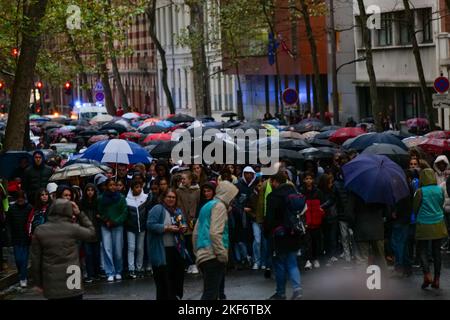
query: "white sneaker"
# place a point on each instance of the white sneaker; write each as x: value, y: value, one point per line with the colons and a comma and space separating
x: 299, y: 253
x: 263, y: 267
x: 111, y: 279
x: 118, y: 277
x: 316, y: 264
x: 255, y: 266
x: 308, y: 265
x: 23, y: 283
x: 194, y: 269
x: 334, y: 259
x: 189, y: 270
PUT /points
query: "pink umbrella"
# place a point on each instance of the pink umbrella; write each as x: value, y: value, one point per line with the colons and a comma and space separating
x: 438, y: 134
x: 157, y: 136
x: 435, y: 146
x: 417, y: 122
x: 100, y: 137
x: 343, y: 134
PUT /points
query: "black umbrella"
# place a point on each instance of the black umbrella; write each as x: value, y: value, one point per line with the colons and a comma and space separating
x: 295, y: 145
x: 154, y: 129
x: 322, y: 143
x: 325, y: 134
x: 113, y: 126
x: 51, y: 125
x: 309, y: 125
x: 162, y: 149
x: 395, y: 153
x: 181, y: 117
x: 289, y: 154
x: 89, y: 133
x: 363, y: 141
x: 328, y: 128
x: 232, y: 124
x: 229, y: 115
x: 205, y: 118
x: 318, y: 153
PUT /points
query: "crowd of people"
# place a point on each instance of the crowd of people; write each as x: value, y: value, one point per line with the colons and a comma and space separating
x: 168, y: 219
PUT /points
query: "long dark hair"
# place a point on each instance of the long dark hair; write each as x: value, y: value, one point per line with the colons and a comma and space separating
x: 63, y: 188
x: 85, y: 201
x: 37, y: 200
x: 324, y: 181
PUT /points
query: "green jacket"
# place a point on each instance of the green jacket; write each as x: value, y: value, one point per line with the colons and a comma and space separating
x: 115, y: 212
x: 429, y: 199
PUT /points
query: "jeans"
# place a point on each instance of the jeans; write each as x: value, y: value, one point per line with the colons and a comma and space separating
x: 21, y: 257
x: 422, y: 251
x: 240, y: 250
x: 92, y: 251
x: 135, y: 251
x: 213, y: 274
x: 259, y: 246
x: 112, y: 250
x: 169, y: 278
x: 399, y: 239
x: 330, y: 231
x: 286, y: 265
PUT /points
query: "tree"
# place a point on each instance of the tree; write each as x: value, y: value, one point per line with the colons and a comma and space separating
x: 426, y: 97
x: 151, y: 14
x: 376, y: 111
x: 33, y: 13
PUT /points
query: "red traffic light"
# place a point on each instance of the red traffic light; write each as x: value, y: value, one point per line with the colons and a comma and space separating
x: 2, y: 85
x: 14, y: 52
x: 67, y: 85
x: 39, y: 85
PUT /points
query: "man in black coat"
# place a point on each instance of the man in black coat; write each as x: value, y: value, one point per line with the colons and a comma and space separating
x: 36, y: 175
x: 285, y: 245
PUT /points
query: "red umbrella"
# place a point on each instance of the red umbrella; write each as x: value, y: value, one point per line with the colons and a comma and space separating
x: 157, y: 136
x: 438, y: 134
x: 130, y: 136
x: 417, y: 122
x: 343, y: 134
x: 97, y: 138
x: 435, y: 146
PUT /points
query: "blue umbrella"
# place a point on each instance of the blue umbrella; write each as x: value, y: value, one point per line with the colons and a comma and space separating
x: 376, y: 179
x: 165, y: 124
x: 365, y: 140
x: 117, y: 151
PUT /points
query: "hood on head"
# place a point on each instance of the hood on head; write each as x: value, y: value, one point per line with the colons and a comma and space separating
x: 441, y: 158
x: 249, y: 169
x: 226, y: 191
x: 427, y: 177
x: 61, y: 208
x: 39, y: 152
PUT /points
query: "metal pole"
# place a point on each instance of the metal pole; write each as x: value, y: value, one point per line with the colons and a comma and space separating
x: 333, y: 65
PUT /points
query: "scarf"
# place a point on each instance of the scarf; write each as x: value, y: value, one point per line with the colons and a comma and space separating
x: 177, y: 219
x: 110, y: 198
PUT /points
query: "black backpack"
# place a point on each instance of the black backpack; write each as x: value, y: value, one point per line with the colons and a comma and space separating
x: 294, y: 217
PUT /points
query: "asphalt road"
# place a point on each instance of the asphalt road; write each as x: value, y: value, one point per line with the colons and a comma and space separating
x: 336, y: 282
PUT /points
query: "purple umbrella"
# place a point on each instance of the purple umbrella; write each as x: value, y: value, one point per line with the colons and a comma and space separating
x: 376, y: 179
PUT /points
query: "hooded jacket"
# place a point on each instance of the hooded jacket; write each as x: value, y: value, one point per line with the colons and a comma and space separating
x: 429, y: 199
x: 210, y: 237
x: 17, y: 219
x: 441, y: 176
x: 55, y: 248
x: 36, y: 177
x: 245, y: 188
x: 138, y: 207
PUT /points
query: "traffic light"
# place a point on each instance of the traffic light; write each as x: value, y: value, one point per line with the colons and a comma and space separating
x: 2, y: 86
x: 68, y: 88
x: 39, y: 85
x: 14, y: 52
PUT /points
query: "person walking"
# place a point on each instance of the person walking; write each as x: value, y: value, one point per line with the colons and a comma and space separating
x: 36, y: 176
x: 112, y: 207
x: 211, y: 240
x: 17, y: 219
x: 39, y: 213
x: 285, y: 242
x: 430, y: 225
x: 165, y: 226
x: 55, y: 252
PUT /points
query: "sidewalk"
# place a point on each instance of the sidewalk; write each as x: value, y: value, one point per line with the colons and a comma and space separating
x: 9, y: 276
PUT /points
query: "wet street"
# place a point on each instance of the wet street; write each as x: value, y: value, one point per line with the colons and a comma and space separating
x: 336, y: 282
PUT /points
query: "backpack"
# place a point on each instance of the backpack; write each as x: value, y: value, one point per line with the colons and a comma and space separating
x: 296, y: 207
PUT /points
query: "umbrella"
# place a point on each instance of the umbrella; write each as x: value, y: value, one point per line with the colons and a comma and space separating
x: 417, y: 122
x: 114, y: 126
x: 291, y: 134
x: 363, y: 141
x: 213, y: 124
x: 400, y: 134
x: 123, y: 123
x: 117, y: 151
x: 438, y: 134
x: 87, y: 161
x: 131, y: 136
x: 309, y: 125
x: 205, y: 118
x: 131, y: 115
x: 325, y: 134
x: 435, y: 146
x: 376, y: 179
x: 179, y: 118
x: 163, y: 149
x: 315, y: 142
x: 165, y: 124
x: 328, y: 128
x: 51, y: 125
x: 10, y: 160
x: 310, y: 134
x: 76, y: 170
x: 343, y: 134
x: 152, y: 120
x: 68, y: 128
x: 232, y: 124
x: 97, y: 138
x: 296, y: 145
x: 37, y: 118
x: 153, y: 129
x: 157, y: 136
x: 289, y: 154
x: 393, y: 152
x: 317, y: 153
x: 229, y: 114
x: 89, y: 133
x: 101, y: 118
x: 414, y: 141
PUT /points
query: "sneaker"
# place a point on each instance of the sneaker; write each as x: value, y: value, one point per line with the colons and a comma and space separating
x: 297, y: 294
x: 255, y: 266
x: 263, y: 267
x: 110, y: 278
x: 118, y: 277
x: 316, y: 264
x: 299, y: 253
x: 132, y: 275
x: 23, y: 283
x: 194, y: 269
x: 189, y: 269
x: 276, y: 296
x: 308, y: 265
x: 334, y: 259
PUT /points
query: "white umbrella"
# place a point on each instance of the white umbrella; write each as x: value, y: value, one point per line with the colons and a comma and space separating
x: 291, y: 135
x: 310, y: 134
x: 130, y: 115
x: 78, y: 170
x: 101, y: 118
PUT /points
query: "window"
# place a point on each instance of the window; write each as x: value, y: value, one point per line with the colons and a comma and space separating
x: 405, y: 35
x: 427, y: 27
x: 385, y: 33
